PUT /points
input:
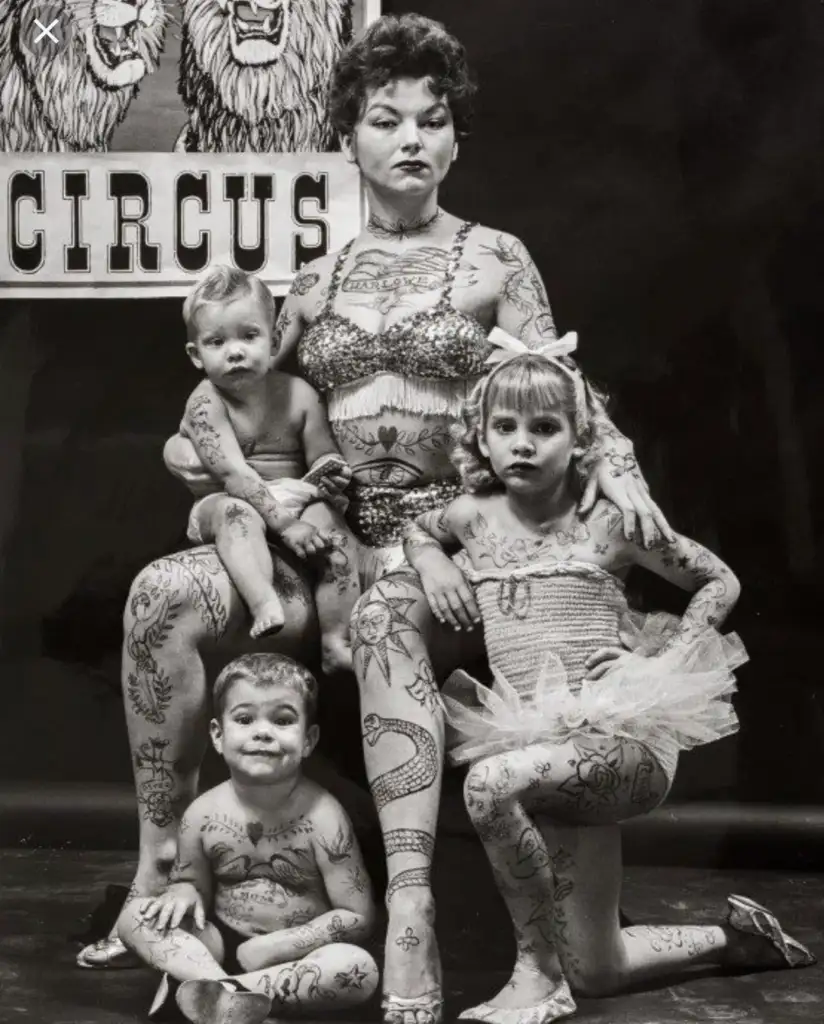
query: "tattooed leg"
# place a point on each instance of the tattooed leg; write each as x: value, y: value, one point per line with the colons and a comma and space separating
x: 179, y: 608
x: 337, y: 588
x: 239, y: 534
x: 186, y: 954
x: 598, y: 957
x: 585, y: 781
x: 524, y: 876
x: 395, y: 639
x: 332, y: 977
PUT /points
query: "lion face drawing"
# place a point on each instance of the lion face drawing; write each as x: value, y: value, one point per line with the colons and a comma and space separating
x: 254, y: 74
x: 74, y: 98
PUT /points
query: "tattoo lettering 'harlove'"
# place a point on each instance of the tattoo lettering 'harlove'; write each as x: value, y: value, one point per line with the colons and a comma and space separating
x: 417, y: 773
x: 385, y: 280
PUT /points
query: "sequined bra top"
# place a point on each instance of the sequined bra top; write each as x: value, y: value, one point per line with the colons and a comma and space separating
x: 435, y: 355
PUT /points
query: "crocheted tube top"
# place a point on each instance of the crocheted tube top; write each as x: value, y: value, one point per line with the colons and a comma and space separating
x: 571, y: 609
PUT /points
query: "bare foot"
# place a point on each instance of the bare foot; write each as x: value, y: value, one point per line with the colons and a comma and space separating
x: 412, y: 965
x: 268, y: 619
x: 335, y: 654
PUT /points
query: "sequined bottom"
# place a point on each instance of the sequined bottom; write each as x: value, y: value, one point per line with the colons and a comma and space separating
x: 378, y: 514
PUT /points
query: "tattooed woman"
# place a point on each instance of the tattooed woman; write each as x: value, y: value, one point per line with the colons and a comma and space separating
x: 392, y: 330
x: 576, y: 730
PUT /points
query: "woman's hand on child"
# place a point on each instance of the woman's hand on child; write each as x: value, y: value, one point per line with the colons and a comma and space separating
x: 604, y: 660
x: 449, y: 595
x: 624, y: 485
x: 170, y: 908
x: 305, y: 539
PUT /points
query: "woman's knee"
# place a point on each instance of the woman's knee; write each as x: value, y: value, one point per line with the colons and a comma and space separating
x: 591, y: 980
x: 392, y: 612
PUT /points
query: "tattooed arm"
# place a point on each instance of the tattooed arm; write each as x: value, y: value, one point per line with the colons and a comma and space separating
x: 691, y: 566
x: 524, y: 310
x: 351, y: 916
x: 207, y: 424
x: 189, y: 890
x: 317, y: 439
x: 425, y: 544
x: 295, y: 312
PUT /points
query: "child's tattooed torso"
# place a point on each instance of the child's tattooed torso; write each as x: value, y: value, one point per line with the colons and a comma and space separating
x: 265, y: 874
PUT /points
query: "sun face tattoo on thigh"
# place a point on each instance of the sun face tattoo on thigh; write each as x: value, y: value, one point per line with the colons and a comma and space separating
x: 380, y: 628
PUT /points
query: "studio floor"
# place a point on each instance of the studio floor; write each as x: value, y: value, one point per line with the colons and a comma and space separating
x: 46, y: 895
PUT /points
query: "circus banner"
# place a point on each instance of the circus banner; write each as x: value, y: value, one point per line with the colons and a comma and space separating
x: 145, y: 224
x: 142, y: 139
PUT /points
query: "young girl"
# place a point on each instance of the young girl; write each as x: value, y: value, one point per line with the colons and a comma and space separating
x: 590, y: 705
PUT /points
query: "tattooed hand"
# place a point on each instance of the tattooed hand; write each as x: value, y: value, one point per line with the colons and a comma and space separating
x: 172, y: 906
x: 618, y: 477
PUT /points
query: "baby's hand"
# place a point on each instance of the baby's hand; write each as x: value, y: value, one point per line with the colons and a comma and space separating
x: 305, y: 539
x: 170, y: 908
x: 336, y: 482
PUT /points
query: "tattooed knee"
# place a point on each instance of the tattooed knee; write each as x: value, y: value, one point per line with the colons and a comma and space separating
x: 236, y: 516
x: 488, y: 784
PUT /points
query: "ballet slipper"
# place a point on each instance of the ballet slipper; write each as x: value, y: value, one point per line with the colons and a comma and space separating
x: 423, y: 1009
x: 559, y: 1003
x: 218, y: 1002
x: 108, y: 954
x: 745, y: 915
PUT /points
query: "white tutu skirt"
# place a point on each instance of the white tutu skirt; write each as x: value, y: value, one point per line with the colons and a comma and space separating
x: 669, y: 700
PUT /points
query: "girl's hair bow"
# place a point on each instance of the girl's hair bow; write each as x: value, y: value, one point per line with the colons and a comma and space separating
x: 509, y: 347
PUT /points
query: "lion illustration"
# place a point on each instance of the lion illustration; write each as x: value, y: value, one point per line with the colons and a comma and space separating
x: 72, y: 99
x: 254, y: 74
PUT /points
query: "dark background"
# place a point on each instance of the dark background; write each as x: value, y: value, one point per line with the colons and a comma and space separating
x: 663, y: 163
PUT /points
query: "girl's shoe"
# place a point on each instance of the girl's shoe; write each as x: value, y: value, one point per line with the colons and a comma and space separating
x: 559, y: 1003
x: 745, y: 915
x: 216, y: 1002
x: 108, y: 954
x: 423, y: 1009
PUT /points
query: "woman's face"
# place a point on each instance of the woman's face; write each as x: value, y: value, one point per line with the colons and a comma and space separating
x: 404, y: 142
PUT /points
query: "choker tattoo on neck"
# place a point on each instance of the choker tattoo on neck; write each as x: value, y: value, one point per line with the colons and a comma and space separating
x: 400, y: 228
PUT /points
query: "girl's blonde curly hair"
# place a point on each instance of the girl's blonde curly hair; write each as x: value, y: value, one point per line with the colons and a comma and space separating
x: 525, y: 382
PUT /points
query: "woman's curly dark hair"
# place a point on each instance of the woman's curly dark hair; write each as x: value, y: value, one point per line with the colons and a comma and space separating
x: 401, y: 46
x: 521, y: 383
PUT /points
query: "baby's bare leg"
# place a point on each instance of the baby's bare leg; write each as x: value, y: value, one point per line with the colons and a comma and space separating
x: 184, y: 953
x: 332, y: 977
x: 338, y: 587
x: 239, y: 534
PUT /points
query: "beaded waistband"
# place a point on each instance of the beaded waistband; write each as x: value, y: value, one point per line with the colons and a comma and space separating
x: 377, y: 514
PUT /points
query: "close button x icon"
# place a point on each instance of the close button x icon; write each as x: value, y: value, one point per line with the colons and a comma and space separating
x: 45, y: 30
